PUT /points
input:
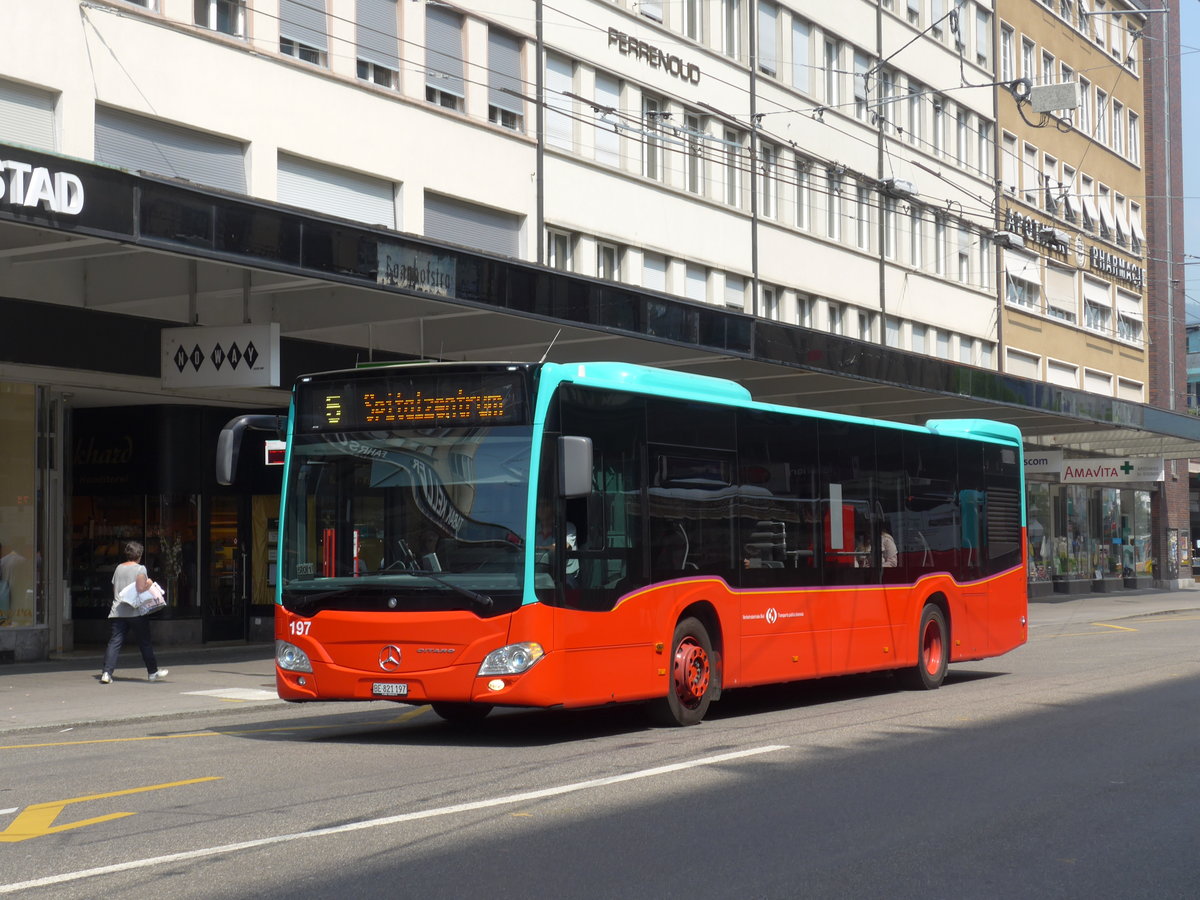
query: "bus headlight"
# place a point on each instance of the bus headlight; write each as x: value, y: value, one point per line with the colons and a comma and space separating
x: 511, y: 660
x: 292, y: 658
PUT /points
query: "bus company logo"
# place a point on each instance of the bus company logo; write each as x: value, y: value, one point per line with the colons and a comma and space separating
x: 389, y: 658
x: 772, y: 616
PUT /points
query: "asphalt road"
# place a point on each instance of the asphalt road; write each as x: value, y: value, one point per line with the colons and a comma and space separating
x: 1068, y: 768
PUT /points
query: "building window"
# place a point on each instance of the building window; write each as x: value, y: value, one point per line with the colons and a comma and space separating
x: 1101, y: 116
x: 735, y: 291
x: 608, y: 261
x: 506, y: 88
x: 914, y: 12
x: 1047, y: 68
x: 833, y: 209
x: 693, y: 161
x: 861, y: 64
x: 1032, y: 178
x: 803, y: 194
x: 1007, y: 61
x: 1135, y: 138
x: 607, y: 139
x: 916, y: 249
x: 652, y: 161
x: 939, y: 125
x: 964, y: 255
x: 801, y: 55
x: 1027, y: 70
x: 939, y: 245
x: 302, y: 30
x: 916, y: 111
x: 889, y: 227
x: 444, y: 58
x: 866, y: 325
x: 1022, y: 280
x: 942, y: 344
x: 837, y: 317
x: 733, y: 168
x: 693, y: 19
x: 558, y: 250
x: 378, y: 46
x: 1129, y: 329
x: 961, y: 141
x: 805, y: 309
x: 1118, y: 128
x: 651, y: 9
x: 891, y: 331
x: 919, y: 333
x: 770, y: 301
x: 225, y: 16
x: 768, y: 180
x: 862, y: 231
x: 768, y: 38
x: 966, y: 350
x: 654, y: 271
x: 696, y: 283
x: 984, y: 148
x: 560, y: 108
x: 1096, y: 317
x: 731, y: 16
x: 983, y: 37
x: 832, y: 75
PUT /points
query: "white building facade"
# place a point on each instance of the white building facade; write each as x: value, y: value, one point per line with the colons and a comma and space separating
x: 828, y: 165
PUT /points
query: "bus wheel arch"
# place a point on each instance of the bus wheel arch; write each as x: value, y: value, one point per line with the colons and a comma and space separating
x: 692, y: 670
x: 933, y: 647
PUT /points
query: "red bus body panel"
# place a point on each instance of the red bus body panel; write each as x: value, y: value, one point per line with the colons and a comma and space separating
x: 595, y: 658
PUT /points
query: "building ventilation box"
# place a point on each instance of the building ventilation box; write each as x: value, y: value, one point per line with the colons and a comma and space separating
x: 1054, y: 97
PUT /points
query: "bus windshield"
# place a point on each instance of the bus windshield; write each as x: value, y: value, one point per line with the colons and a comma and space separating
x: 415, y: 519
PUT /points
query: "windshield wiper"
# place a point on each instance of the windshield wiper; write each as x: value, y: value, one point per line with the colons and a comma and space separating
x: 481, y: 599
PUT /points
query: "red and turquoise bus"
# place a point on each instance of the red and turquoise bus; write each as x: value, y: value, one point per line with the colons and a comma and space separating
x: 572, y: 535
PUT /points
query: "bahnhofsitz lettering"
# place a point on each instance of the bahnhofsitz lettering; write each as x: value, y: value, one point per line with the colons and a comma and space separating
x: 656, y: 58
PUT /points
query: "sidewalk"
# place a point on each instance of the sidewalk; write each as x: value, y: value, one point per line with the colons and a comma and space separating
x: 65, y: 693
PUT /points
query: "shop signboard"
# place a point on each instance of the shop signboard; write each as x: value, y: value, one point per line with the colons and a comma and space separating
x: 234, y: 356
x: 1112, y: 471
x: 1043, y: 462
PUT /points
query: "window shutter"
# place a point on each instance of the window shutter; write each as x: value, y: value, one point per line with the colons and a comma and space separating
x: 26, y: 116
x: 768, y: 15
x: 444, y: 51
x: 337, y: 192
x: 458, y: 222
x: 377, y: 40
x: 559, y: 125
x: 149, y: 145
x: 505, y: 85
x: 304, y: 21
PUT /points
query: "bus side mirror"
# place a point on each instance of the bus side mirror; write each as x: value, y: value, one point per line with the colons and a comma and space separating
x: 574, y: 466
x: 229, y: 444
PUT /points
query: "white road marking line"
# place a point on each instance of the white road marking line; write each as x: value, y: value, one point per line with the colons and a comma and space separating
x: 386, y: 820
x: 235, y: 694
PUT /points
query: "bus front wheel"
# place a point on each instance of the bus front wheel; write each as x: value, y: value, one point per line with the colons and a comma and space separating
x: 462, y: 713
x: 692, y: 677
x: 933, y: 652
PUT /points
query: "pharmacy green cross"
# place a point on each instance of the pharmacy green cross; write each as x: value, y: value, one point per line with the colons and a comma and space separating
x: 1126, y: 467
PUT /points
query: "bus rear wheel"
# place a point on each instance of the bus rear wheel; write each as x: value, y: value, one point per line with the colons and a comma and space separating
x: 692, y: 677
x: 462, y: 713
x: 933, y: 652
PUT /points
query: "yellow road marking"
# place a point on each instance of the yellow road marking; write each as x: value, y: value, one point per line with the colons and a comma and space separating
x: 37, y: 820
x: 1117, y: 627
x: 411, y: 714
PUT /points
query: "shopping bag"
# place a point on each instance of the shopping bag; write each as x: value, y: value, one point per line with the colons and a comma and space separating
x: 129, y: 595
x: 151, y: 600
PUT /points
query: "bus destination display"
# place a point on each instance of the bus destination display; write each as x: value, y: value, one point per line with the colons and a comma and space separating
x: 397, y: 401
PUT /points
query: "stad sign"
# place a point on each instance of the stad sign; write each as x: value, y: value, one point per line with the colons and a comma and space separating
x: 235, y: 356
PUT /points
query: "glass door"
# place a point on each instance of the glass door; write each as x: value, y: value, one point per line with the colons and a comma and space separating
x: 225, y: 603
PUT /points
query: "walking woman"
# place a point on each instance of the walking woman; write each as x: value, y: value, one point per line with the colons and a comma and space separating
x: 125, y: 617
